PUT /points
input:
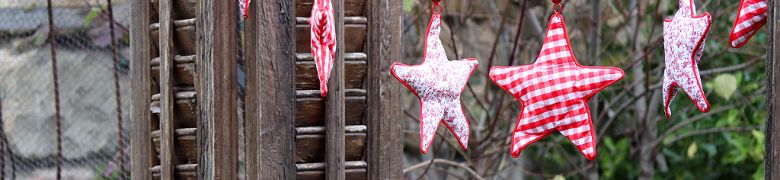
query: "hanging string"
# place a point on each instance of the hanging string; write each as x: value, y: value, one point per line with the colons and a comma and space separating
x: 117, y: 93
x: 57, y: 119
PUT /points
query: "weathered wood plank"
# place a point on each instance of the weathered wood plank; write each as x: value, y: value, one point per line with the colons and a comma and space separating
x: 383, y: 99
x: 184, y: 39
x: 270, y: 100
x: 167, y: 161
x: 140, y: 141
x: 347, y: 20
x: 334, y: 109
x: 310, y: 147
x: 217, y: 89
x: 306, y: 77
x: 772, y: 156
x: 351, y: 7
x: 184, y: 73
x: 183, y: 171
x: 186, y: 144
x: 310, y: 111
x: 351, y: 174
x: 354, y: 35
x: 184, y: 106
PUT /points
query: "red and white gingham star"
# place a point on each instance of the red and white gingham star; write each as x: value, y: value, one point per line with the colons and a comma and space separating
x: 750, y: 18
x: 438, y: 83
x: 554, y: 92
x: 684, y: 37
x: 323, y: 41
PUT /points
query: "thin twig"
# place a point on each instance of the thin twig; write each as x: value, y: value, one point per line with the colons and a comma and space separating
x: 447, y: 162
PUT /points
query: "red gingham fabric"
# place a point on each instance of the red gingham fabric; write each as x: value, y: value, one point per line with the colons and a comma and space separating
x: 323, y: 41
x: 684, y: 37
x: 438, y: 83
x: 554, y: 92
x: 750, y: 18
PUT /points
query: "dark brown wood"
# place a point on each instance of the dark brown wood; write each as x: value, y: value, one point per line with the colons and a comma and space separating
x: 217, y: 88
x: 354, y: 35
x: 310, y: 147
x: 334, y: 104
x: 351, y: 8
x: 183, y: 171
x: 270, y: 99
x: 306, y: 75
x: 167, y: 161
x: 383, y: 118
x: 772, y: 156
x: 311, y: 110
x: 140, y: 140
x: 185, y: 142
x: 351, y: 174
x: 184, y: 106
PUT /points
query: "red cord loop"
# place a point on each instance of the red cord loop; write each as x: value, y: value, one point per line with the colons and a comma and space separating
x: 557, y: 7
x: 436, y: 8
x: 556, y: 1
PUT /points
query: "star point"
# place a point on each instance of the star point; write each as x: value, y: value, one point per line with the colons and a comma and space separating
x: 438, y: 83
x: 553, y: 92
x: 752, y: 15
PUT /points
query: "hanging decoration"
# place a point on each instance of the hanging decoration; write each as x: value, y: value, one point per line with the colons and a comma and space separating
x: 438, y: 83
x: 750, y: 18
x: 684, y: 37
x: 554, y: 91
x: 244, y: 7
x: 323, y: 41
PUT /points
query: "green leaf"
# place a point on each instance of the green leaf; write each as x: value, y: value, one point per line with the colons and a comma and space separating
x: 93, y: 13
x: 725, y: 85
x: 408, y: 4
x: 692, y: 150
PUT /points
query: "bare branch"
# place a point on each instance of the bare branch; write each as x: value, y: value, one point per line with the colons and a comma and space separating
x: 710, y: 131
x: 447, y: 162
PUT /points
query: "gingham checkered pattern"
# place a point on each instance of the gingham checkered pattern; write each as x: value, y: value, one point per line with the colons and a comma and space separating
x: 243, y: 5
x: 323, y: 41
x: 438, y: 83
x: 684, y: 37
x: 554, y: 92
x: 751, y: 17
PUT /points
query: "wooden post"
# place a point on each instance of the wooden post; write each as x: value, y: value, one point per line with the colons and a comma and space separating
x: 270, y: 90
x: 167, y: 163
x: 385, y: 151
x: 334, y: 103
x: 217, y: 90
x: 772, y: 154
x: 140, y: 44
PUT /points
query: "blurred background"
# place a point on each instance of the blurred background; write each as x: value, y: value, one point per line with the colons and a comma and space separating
x: 86, y: 84
x: 635, y: 139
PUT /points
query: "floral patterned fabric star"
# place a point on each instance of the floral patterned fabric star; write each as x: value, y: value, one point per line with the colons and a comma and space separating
x: 554, y: 92
x: 438, y: 83
x: 684, y: 37
x: 750, y: 18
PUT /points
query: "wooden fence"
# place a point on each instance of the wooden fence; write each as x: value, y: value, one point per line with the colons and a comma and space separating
x: 184, y: 91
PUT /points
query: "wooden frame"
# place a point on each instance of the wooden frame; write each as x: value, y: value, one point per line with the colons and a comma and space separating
x: 385, y: 145
x: 140, y: 43
x: 772, y: 154
x: 217, y: 89
x: 270, y: 89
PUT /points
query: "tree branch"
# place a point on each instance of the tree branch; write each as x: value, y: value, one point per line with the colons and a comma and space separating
x: 447, y: 162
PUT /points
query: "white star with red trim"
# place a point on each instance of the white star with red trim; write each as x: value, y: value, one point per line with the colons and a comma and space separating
x: 554, y: 92
x: 750, y: 18
x: 684, y: 37
x: 438, y: 83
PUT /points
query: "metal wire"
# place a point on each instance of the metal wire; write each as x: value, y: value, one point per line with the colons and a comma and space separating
x: 57, y: 120
x: 120, y: 133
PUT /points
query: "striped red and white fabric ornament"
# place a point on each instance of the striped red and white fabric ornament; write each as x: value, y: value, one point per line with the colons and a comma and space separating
x: 684, y: 37
x: 554, y: 92
x: 438, y: 83
x: 243, y: 5
x: 750, y: 18
x: 323, y: 41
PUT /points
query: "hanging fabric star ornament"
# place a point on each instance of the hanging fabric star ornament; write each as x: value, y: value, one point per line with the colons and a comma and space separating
x: 750, y: 17
x: 244, y: 7
x: 323, y: 41
x: 438, y: 83
x: 684, y: 37
x: 554, y: 92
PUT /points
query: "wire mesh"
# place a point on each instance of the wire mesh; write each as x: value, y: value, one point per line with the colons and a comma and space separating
x: 90, y: 133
